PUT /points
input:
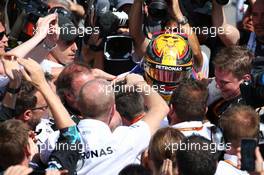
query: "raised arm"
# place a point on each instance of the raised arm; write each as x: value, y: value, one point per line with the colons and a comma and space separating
x: 231, y: 35
x: 157, y: 107
x: 192, y: 38
x: 135, y: 28
x: 11, y: 68
x: 34, y: 74
x: 37, y: 46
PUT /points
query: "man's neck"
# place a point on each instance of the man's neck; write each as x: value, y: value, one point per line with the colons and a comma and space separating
x: 25, y: 162
x: 232, y: 151
x: 51, y: 58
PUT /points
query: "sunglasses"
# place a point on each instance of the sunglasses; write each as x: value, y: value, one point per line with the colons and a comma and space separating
x: 2, y: 34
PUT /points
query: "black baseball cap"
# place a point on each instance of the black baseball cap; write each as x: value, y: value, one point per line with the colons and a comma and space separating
x: 68, y: 30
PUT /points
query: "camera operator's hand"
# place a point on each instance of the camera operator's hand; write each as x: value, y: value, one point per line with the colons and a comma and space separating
x: 47, y: 26
x: 123, y: 30
x: 76, y: 8
x: 248, y: 23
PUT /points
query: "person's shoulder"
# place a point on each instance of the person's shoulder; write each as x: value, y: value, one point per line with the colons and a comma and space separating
x: 224, y: 168
x: 138, y: 128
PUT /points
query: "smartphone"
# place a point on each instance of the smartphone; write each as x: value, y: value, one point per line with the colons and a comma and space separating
x: 248, y: 147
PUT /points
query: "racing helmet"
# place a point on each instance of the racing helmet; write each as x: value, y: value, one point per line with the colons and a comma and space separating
x: 167, y: 61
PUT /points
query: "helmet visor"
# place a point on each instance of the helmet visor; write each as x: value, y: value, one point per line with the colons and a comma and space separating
x: 168, y: 74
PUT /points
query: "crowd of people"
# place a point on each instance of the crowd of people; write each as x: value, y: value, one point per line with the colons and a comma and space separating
x: 169, y: 108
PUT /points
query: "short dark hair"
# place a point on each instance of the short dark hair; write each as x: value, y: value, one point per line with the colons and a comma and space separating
x: 26, y: 98
x: 238, y: 122
x: 236, y: 59
x: 134, y: 169
x: 65, y: 78
x: 129, y: 104
x: 13, y: 141
x: 189, y: 100
x: 196, y: 161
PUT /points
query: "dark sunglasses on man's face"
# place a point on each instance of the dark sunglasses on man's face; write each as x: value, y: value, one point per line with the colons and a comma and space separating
x: 2, y: 35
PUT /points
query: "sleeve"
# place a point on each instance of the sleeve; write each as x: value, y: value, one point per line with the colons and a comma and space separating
x: 136, y: 136
x: 67, y: 151
x: 6, y: 113
x: 141, y: 133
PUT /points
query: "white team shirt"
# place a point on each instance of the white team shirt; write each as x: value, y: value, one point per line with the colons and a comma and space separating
x: 47, y: 65
x: 198, y: 128
x: 228, y: 166
x: 106, y: 152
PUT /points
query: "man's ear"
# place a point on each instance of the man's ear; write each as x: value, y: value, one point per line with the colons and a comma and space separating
x: 69, y: 96
x: 113, y: 110
x: 145, y: 159
x: 111, y: 113
x: 27, y: 115
x: 27, y: 151
x: 171, y: 109
x: 246, y: 77
x: 171, y: 115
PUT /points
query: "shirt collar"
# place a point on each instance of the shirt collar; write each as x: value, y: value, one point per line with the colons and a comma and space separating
x: 231, y: 159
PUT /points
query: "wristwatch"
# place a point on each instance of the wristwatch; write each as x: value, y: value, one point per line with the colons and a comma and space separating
x: 47, y: 47
x: 183, y: 21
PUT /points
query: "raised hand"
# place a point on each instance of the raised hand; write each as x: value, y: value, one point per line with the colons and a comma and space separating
x: 32, y: 71
x: 18, y: 170
x: 48, y: 27
x: 12, y: 70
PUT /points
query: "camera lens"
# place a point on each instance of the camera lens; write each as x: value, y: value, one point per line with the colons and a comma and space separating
x: 158, y: 15
x: 158, y: 10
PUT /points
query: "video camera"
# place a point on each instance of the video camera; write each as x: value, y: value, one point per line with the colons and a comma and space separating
x: 253, y: 91
x: 33, y: 8
x: 109, y: 22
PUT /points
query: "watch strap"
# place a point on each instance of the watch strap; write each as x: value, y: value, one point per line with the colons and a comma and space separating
x: 183, y: 21
x: 13, y: 91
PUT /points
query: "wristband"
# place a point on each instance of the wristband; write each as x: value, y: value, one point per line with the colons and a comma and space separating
x: 183, y: 21
x: 12, y: 91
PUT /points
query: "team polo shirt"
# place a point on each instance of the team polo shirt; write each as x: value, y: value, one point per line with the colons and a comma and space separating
x: 228, y: 166
x: 106, y: 152
x: 43, y: 130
